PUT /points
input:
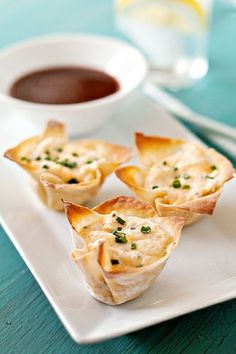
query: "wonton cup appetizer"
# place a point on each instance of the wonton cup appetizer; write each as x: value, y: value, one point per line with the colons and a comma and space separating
x: 72, y: 171
x: 177, y: 177
x: 121, y: 246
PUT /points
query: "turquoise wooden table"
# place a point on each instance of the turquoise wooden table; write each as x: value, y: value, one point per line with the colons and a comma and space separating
x: 28, y: 324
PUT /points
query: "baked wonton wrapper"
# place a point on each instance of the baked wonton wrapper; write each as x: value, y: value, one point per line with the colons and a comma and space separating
x: 72, y: 171
x: 121, y: 246
x: 177, y: 177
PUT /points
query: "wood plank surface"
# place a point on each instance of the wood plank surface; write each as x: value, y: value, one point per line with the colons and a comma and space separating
x: 28, y: 323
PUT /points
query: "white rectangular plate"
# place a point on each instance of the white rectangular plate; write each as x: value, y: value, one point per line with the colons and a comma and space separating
x: 200, y: 272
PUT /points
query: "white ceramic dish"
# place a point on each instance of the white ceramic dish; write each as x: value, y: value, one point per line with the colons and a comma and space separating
x: 113, y: 56
x: 200, y: 272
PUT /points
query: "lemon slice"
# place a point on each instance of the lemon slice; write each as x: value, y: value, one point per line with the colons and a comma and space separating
x: 166, y: 13
x: 194, y: 4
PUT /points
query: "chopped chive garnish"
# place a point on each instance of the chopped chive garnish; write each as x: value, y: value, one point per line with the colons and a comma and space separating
x: 67, y: 163
x: 38, y: 158
x: 164, y: 163
x: 186, y: 176
x: 119, y: 228
x: 114, y: 261
x: 176, y: 183
x: 89, y: 161
x: 145, y: 229
x: 113, y: 215
x: 59, y: 149
x: 47, y: 152
x: 186, y: 186
x: 118, y: 233
x: 210, y: 177
x: 23, y: 158
x: 121, y: 239
x: 133, y: 246
x: 155, y: 187
x: 73, y: 181
x: 175, y: 168
x: 46, y: 167
x: 74, y: 154
x: 132, y: 228
x: 120, y: 220
x: 213, y: 167
x: 48, y: 158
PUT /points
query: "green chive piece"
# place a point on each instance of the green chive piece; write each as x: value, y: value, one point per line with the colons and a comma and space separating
x: 73, y: 181
x: 38, y: 158
x: 74, y: 154
x: 47, y: 152
x: 89, y: 161
x: 164, y: 163
x: 23, y: 158
x: 59, y: 149
x: 119, y: 228
x: 186, y: 186
x: 121, y: 239
x: 186, y: 176
x: 213, y: 167
x: 120, y: 220
x: 133, y: 246
x: 132, y: 228
x: 46, y: 167
x: 145, y: 229
x: 48, y: 158
x: 155, y: 187
x: 176, y: 183
x: 114, y: 261
x: 175, y: 169
x: 118, y: 233
x: 210, y: 177
x: 67, y: 163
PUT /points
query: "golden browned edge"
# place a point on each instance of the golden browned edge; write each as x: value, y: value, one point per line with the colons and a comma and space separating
x: 156, y: 144
x: 53, y: 128
x: 126, y: 175
x: 14, y: 154
x: 127, y: 205
x: 77, y: 213
x: 133, y: 177
x: 143, y: 140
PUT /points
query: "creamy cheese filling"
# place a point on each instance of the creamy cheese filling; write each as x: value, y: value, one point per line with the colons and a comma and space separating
x: 72, y: 162
x: 188, y: 174
x: 132, y: 241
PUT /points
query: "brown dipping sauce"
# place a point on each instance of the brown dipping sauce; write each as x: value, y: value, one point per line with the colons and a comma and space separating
x: 64, y: 85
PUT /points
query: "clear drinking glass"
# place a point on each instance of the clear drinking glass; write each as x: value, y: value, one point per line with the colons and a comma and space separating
x: 172, y: 33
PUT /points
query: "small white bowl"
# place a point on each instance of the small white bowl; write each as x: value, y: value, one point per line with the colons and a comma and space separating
x: 117, y: 58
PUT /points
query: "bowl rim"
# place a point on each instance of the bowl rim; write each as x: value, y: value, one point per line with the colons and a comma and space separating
x: 58, y: 37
